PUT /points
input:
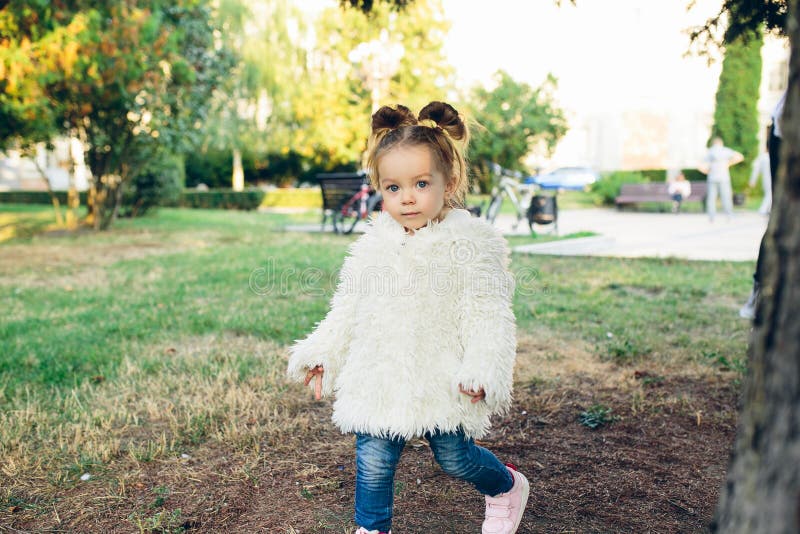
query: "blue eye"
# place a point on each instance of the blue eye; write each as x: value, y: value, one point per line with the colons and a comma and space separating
x: 392, y: 188
x: 422, y: 184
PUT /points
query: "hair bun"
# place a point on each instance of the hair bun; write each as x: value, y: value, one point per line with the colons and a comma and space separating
x: 388, y: 118
x: 446, y: 117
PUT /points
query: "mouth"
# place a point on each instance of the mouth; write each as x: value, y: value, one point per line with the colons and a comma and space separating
x: 411, y: 214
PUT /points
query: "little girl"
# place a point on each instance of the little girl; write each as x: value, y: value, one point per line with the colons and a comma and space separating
x: 420, y: 338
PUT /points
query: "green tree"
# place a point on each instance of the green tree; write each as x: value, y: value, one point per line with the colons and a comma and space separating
x: 132, y: 79
x: 740, y: 18
x: 252, y: 109
x: 514, y: 120
x: 28, y: 118
x: 736, y: 111
x: 333, y: 110
x: 762, y: 487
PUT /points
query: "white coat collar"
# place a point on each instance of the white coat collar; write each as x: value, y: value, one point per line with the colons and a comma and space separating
x: 384, y: 224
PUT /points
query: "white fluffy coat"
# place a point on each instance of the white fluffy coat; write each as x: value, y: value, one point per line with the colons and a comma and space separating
x: 413, y: 317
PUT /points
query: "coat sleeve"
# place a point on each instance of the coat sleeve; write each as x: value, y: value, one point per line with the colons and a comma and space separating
x: 487, y: 323
x: 329, y: 342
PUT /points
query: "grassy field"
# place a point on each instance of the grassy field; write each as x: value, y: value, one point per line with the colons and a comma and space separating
x: 133, y: 353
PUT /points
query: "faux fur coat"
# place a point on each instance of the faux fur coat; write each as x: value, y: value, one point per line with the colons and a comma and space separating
x: 413, y: 317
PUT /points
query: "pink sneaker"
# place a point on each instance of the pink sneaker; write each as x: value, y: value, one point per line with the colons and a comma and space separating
x: 362, y: 530
x: 504, y: 512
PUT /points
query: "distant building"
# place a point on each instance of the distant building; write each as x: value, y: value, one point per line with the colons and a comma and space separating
x: 665, y: 133
x: 19, y: 173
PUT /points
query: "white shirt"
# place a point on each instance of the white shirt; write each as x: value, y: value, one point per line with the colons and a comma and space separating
x: 718, y: 159
x: 777, y: 116
x: 684, y: 187
x: 761, y: 167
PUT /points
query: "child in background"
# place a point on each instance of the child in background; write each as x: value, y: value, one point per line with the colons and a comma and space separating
x: 679, y: 188
x: 420, y: 338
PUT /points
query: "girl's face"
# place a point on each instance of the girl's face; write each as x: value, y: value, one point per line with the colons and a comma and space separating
x: 413, y: 189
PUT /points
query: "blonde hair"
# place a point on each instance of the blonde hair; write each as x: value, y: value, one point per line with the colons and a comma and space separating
x: 439, y: 127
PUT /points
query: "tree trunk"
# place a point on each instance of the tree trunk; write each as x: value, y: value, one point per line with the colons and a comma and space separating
x: 117, y: 203
x: 762, y: 491
x: 238, y: 171
x: 53, y: 197
x: 73, y: 198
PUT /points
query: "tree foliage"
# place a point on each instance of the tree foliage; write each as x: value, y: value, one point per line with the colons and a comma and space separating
x: 514, y: 120
x: 739, y: 19
x: 128, y: 78
x: 366, y: 6
x: 736, y: 111
x: 252, y: 108
x: 333, y: 110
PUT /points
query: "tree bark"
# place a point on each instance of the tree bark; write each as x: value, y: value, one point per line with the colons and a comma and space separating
x: 53, y: 197
x: 762, y: 491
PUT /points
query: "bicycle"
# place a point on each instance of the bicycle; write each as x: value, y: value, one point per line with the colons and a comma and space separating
x: 535, y: 208
x: 356, y: 208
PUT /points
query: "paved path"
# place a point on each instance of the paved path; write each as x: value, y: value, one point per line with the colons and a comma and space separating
x: 634, y: 234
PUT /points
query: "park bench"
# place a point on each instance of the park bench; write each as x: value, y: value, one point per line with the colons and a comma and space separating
x: 339, y: 188
x: 656, y: 192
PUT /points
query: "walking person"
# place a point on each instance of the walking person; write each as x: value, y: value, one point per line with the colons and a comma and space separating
x: 748, y: 311
x: 761, y: 168
x: 718, y: 160
x: 420, y: 339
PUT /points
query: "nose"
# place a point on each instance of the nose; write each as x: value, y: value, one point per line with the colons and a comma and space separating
x: 407, y: 197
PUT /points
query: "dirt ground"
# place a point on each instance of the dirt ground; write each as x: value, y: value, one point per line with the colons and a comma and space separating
x: 657, y: 467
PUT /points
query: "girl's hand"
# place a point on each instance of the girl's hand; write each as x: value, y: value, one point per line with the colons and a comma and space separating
x: 316, y: 373
x: 477, y: 396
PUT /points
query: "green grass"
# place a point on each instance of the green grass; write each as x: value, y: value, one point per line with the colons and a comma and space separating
x: 170, y: 331
x: 199, y: 281
x: 23, y: 221
x: 169, y: 294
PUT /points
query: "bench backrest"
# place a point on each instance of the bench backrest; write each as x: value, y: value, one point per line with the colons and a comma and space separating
x: 657, y: 189
x: 338, y: 187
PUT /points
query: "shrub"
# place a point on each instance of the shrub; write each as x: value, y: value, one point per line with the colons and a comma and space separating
x: 159, y: 183
x: 693, y: 175
x: 307, y: 197
x: 37, y: 197
x: 212, y: 168
x: 227, y: 199
x: 606, y: 189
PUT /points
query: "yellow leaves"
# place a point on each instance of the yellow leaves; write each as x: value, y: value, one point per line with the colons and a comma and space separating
x: 67, y: 57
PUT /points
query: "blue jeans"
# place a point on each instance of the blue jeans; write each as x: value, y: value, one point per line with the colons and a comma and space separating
x: 376, y: 460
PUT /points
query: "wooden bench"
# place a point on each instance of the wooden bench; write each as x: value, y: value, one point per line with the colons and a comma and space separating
x: 656, y: 192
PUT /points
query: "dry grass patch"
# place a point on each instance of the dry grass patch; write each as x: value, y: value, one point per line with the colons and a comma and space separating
x: 52, y: 263
x: 551, y: 368
x: 204, y: 434
x: 163, y: 400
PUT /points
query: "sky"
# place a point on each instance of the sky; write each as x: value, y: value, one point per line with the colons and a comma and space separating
x: 608, y: 54
x: 612, y: 59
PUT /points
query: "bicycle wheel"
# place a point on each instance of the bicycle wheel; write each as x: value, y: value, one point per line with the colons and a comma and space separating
x: 346, y: 219
x: 494, y: 208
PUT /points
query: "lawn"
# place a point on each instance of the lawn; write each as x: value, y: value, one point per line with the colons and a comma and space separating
x: 142, y: 388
